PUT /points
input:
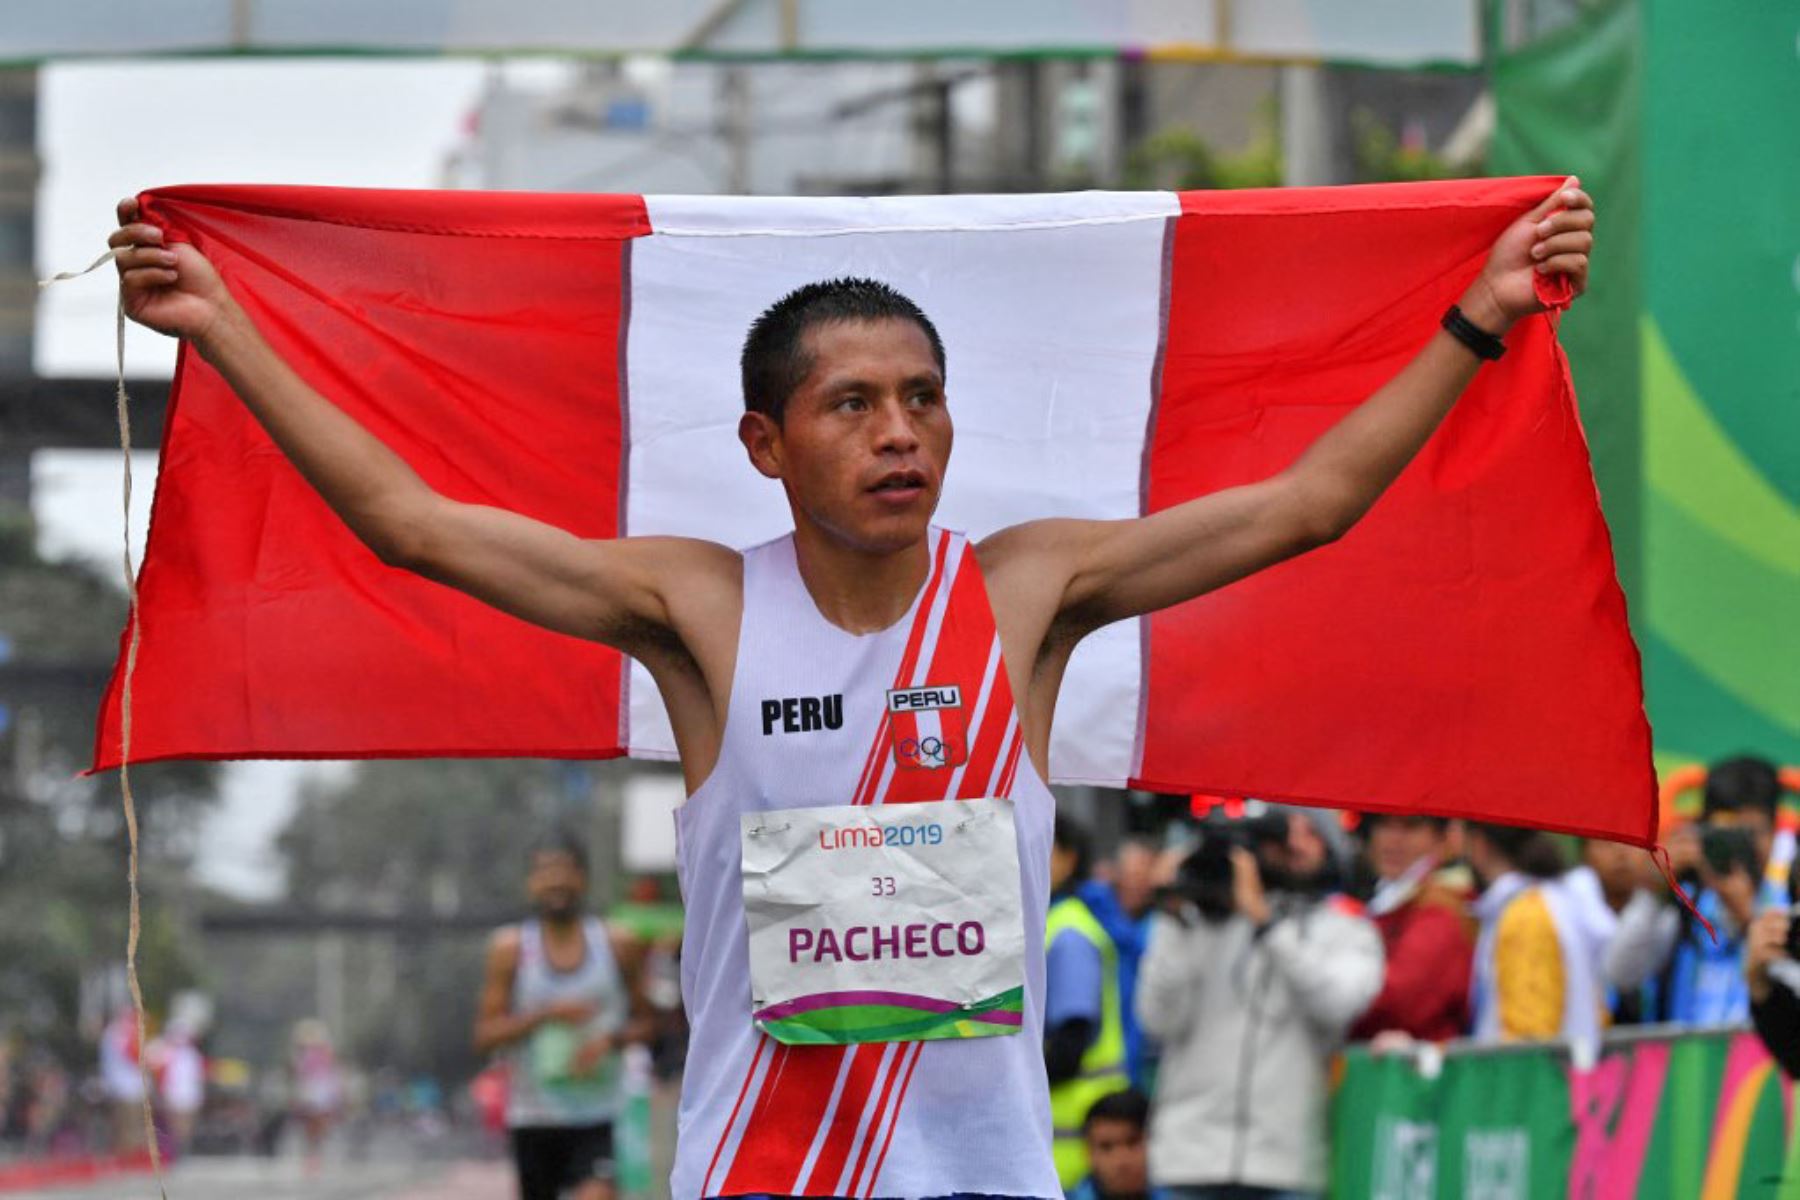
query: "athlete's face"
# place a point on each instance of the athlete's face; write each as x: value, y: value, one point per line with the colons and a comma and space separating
x: 556, y: 885
x: 865, y: 438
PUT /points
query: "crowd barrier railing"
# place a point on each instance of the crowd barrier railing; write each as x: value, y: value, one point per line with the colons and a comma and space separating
x: 1650, y: 1112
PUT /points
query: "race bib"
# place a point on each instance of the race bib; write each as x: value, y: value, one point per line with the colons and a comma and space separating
x: 887, y: 923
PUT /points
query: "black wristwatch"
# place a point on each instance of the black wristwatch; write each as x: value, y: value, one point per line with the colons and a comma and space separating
x: 1481, y: 343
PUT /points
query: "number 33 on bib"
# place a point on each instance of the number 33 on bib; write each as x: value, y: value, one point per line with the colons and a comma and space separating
x: 883, y: 924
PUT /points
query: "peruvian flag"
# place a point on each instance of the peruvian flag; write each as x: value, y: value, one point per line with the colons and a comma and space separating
x: 1463, y: 651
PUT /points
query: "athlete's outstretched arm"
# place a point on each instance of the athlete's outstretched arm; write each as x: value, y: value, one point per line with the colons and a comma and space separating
x: 1116, y: 569
x: 609, y: 591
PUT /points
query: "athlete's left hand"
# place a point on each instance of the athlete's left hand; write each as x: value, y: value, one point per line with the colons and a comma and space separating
x: 1553, y: 239
x: 591, y: 1053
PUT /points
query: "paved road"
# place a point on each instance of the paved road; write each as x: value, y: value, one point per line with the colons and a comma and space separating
x: 259, y: 1179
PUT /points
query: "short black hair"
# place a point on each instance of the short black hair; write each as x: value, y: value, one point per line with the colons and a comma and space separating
x: 560, y: 840
x: 1070, y: 834
x: 1740, y: 784
x: 774, y: 360
x: 1129, y: 1105
x: 1531, y: 851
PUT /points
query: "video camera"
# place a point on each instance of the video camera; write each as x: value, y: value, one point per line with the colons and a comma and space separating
x: 1727, y: 848
x: 1204, y: 877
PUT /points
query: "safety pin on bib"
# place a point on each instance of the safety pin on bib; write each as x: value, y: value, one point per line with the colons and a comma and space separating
x: 760, y: 830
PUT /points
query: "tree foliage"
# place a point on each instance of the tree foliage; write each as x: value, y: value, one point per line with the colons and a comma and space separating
x: 62, y: 838
x: 1178, y: 158
x: 1383, y: 156
x: 422, y: 841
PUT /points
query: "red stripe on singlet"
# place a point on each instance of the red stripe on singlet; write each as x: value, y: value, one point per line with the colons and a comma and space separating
x: 835, y: 1152
x: 987, y: 743
x: 881, y: 1105
x: 964, y: 641
x: 1012, y: 762
x: 786, y: 1117
x: 915, y: 638
x: 725, y: 1133
x: 899, y: 1099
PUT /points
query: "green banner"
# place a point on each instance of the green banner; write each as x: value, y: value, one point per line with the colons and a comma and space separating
x: 1686, y: 351
x: 1721, y: 376
x: 1687, y: 1116
x: 1567, y: 103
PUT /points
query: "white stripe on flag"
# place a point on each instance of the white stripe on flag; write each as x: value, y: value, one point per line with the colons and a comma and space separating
x: 1049, y: 307
x: 828, y: 216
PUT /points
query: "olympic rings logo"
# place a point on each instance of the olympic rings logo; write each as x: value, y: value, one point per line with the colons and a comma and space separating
x: 924, y: 752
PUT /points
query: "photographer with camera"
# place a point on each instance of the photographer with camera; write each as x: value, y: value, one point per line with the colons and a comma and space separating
x: 1772, y: 979
x: 1256, y: 968
x: 1697, y: 979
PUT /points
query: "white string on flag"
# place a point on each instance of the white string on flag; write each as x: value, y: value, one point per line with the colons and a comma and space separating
x: 131, y: 652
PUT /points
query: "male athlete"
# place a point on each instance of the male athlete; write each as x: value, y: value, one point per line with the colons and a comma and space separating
x: 557, y: 997
x: 868, y: 659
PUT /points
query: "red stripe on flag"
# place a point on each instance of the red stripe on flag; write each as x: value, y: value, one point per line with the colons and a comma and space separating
x: 1468, y: 637
x: 467, y: 356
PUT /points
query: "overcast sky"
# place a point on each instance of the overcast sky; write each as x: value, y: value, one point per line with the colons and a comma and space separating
x: 111, y: 130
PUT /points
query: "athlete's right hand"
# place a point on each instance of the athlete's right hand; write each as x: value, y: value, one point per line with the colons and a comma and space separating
x: 172, y: 290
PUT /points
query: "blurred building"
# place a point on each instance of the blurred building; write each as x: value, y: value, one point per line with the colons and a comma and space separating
x: 855, y: 127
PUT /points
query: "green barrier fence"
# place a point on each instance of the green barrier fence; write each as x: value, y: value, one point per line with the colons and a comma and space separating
x: 1679, y: 117
x: 1660, y: 1114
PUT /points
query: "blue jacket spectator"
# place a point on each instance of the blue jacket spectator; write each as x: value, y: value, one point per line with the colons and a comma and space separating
x: 1124, y: 907
x: 1700, y: 980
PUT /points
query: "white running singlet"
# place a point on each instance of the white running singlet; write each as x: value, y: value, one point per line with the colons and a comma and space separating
x: 808, y: 726
x: 537, y: 1094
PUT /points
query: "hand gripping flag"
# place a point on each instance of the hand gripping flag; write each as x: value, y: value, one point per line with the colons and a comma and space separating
x: 1463, y: 651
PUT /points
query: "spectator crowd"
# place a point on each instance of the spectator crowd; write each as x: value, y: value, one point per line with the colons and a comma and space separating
x: 1199, y: 990
x: 1199, y: 985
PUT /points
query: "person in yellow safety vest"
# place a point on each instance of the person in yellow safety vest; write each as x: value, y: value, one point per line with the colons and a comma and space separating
x: 1084, y: 1029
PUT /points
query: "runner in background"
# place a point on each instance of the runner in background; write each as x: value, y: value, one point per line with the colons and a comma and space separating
x: 560, y: 999
x: 180, y: 1081
x: 318, y: 1087
x: 121, y: 1044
